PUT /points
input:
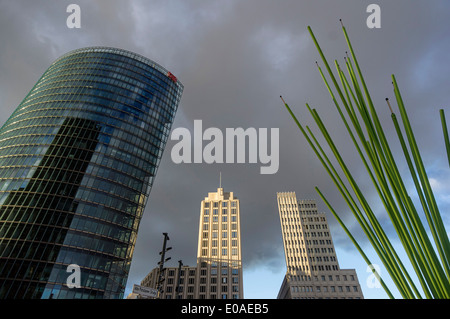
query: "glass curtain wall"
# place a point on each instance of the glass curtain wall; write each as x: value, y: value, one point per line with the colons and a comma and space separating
x: 78, y: 158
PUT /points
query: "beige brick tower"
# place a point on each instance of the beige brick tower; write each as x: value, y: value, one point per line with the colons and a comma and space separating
x: 219, y: 247
x: 313, y: 270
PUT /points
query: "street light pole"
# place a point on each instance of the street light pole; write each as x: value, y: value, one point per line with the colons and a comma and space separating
x: 161, y: 264
x: 177, y: 289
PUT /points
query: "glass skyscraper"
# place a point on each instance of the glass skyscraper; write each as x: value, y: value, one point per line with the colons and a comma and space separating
x: 78, y: 158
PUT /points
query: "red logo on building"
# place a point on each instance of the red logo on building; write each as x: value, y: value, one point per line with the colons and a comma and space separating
x: 172, y: 77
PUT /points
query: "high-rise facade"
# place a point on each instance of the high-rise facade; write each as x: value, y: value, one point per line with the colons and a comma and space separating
x: 219, y: 260
x: 218, y: 273
x: 313, y: 270
x: 78, y: 158
x: 179, y: 283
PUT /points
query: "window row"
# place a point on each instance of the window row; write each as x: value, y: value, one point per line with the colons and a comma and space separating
x: 324, y: 289
x: 214, y: 243
x: 216, y: 211
x: 88, y: 73
x: 143, y: 130
x: 131, y: 155
x: 107, y: 200
x: 115, y: 117
x: 215, y: 234
x: 215, y: 251
x: 233, y: 203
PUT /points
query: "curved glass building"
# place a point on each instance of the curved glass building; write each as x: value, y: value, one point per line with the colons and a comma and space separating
x: 78, y: 158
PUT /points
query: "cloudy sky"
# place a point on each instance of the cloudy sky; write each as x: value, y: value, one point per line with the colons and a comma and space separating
x: 235, y: 58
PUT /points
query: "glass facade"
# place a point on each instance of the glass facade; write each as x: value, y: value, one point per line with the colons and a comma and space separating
x: 78, y: 158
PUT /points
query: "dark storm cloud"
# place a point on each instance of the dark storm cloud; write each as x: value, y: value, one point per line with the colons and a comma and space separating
x: 235, y: 58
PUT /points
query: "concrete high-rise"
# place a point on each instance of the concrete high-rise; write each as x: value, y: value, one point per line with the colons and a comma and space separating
x: 184, y: 278
x: 219, y: 247
x: 78, y: 158
x: 313, y: 270
x: 218, y: 273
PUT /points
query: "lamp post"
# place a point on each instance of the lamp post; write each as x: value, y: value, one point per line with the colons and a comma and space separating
x: 161, y: 263
x: 177, y: 289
